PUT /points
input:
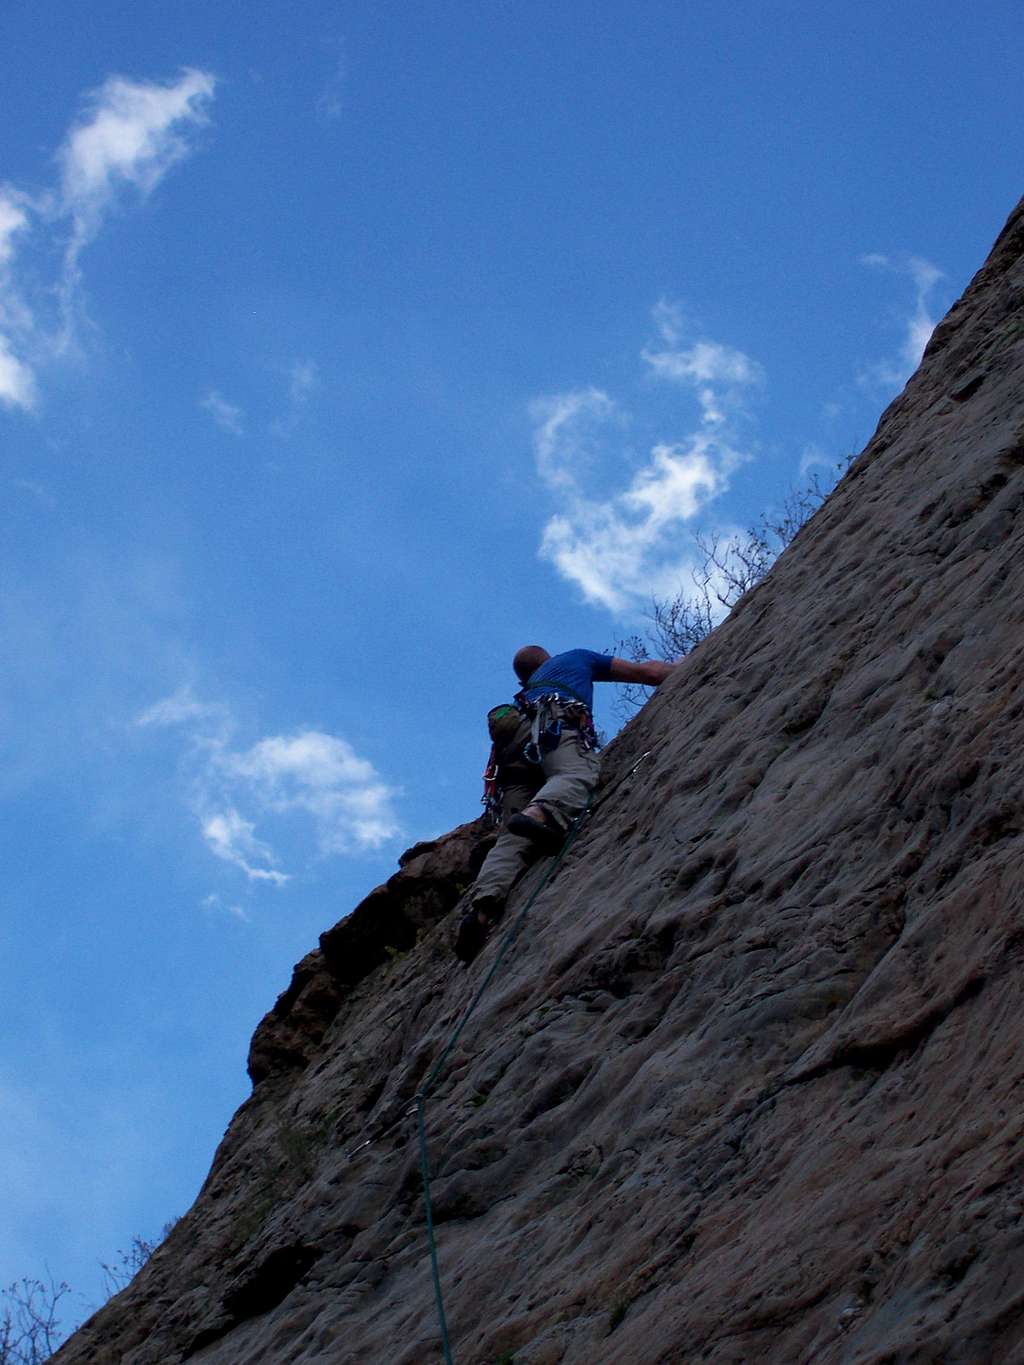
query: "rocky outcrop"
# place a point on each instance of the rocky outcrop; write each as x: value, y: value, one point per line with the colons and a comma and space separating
x: 391, y: 920
x: 747, y: 1086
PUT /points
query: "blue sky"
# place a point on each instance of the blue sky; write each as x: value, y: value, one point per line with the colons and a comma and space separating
x: 343, y: 349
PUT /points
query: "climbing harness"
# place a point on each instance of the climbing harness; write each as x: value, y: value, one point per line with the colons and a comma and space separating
x: 546, y: 728
x: 548, y: 715
x: 419, y: 1099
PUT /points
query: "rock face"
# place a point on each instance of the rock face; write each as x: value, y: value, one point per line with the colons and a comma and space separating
x: 748, y: 1085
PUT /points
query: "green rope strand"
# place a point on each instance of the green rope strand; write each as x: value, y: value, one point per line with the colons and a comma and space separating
x: 503, y: 948
x: 435, y: 1070
x: 425, y: 1172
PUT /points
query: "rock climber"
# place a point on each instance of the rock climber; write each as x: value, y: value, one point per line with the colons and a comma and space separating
x: 543, y: 769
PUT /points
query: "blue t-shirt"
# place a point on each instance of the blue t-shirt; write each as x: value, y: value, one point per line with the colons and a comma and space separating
x: 577, y: 669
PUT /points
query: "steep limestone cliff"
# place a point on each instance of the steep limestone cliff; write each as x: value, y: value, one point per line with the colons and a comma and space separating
x: 748, y: 1085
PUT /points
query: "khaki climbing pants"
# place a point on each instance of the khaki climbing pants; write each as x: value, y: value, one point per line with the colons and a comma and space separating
x: 565, y: 778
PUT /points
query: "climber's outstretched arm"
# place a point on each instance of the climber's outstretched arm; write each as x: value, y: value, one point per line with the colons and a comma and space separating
x: 651, y: 672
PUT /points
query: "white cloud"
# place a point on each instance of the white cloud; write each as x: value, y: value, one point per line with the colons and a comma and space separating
x: 669, y: 318
x: 705, y: 362
x: 228, y: 416
x: 919, y: 331
x: 717, y: 373
x: 131, y: 136
x: 17, y: 381
x: 310, y: 774
x: 322, y: 775
x: 676, y: 483
x: 179, y: 709
x: 313, y: 759
x: 214, y: 902
x: 621, y: 549
x: 233, y: 838
x: 917, y: 326
x: 13, y: 219
x: 567, y: 434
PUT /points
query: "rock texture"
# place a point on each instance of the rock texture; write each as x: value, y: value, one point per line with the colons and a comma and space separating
x: 749, y: 1084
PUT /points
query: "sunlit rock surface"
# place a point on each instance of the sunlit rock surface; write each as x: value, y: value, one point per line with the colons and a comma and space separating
x: 749, y: 1085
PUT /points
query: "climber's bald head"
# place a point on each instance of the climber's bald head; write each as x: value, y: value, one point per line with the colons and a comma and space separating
x: 527, y: 660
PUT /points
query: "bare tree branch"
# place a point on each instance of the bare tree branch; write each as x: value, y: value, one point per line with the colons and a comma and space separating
x: 29, y: 1326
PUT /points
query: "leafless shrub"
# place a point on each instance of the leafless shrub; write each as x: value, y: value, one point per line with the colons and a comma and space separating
x: 130, y: 1262
x: 126, y: 1266
x: 29, y: 1325
x: 30, y: 1330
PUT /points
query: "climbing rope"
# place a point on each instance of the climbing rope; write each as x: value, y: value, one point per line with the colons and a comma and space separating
x: 420, y: 1098
x: 425, y: 1173
x: 435, y: 1070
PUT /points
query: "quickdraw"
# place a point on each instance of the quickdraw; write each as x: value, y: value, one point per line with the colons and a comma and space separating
x: 492, y: 797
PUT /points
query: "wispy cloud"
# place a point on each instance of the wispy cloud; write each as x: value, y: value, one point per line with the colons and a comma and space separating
x: 231, y: 837
x: 917, y: 325
x: 214, y: 903
x: 322, y: 775
x: 13, y: 219
x: 718, y: 374
x: 228, y: 416
x: 569, y: 434
x: 17, y: 381
x: 670, y: 320
x: 128, y: 137
x: 308, y: 774
x: 183, y: 707
x: 620, y: 549
x: 304, y: 377
x: 329, y: 106
x: 813, y: 456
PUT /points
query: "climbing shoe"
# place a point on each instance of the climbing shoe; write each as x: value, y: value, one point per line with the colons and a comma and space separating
x: 475, y: 926
x: 548, y: 838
